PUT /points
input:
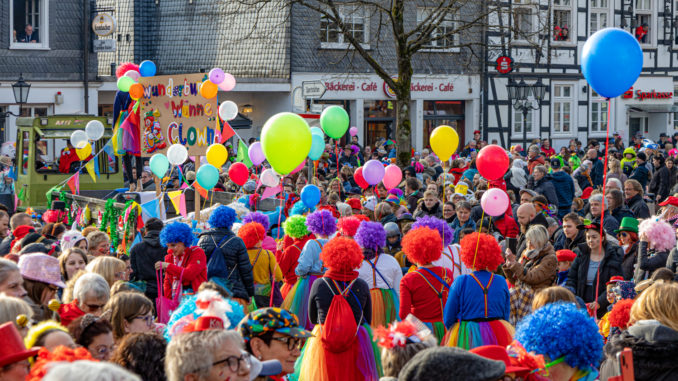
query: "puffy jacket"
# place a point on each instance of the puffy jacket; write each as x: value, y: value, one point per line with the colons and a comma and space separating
x: 610, y: 266
x: 192, y: 272
x: 143, y: 257
x: 535, y: 161
x: 628, y: 164
x: 241, y: 280
x: 564, y: 187
x: 545, y: 187
x: 648, y: 261
x: 638, y: 207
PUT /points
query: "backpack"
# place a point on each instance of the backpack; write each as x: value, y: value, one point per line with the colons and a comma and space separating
x: 217, y: 269
x: 340, y: 329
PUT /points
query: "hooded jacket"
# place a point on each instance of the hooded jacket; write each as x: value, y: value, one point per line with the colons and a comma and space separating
x: 537, y: 160
x: 564, y: 187
x: 546, y: 187
x: 143, y: 257
x: 241, y: 280
x: 628, y: 164
x: 641, y: 174
x: 610, y: 266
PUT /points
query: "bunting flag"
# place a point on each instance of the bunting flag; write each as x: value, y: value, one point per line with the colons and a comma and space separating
x: 242, y: 156
x: 108, y: 148
x: 140, y: 222
x: 12, y: 173
x: 270, y: 192
x: 96, y: 165
x: 200, y: 189
x: 137, y: 239
x: 74, y: 183
x: 22, y: 196
x: 150, y: 209
x: 175, y: 197
x: 90, y: 169
x: 227, y: 132
x: 182, y: 205
x: 16, y: 201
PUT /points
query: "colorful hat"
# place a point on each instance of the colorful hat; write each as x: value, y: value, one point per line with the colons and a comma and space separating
x: 271, y: 319
x: 498, y: 353
x: 12, y: 349
x: 393, y: 199
x: 204, y: 323
x: 588, y: 225
x: 370, y: 203
x: 461, y: 189
x: 41, y: 268
x: 566, y: 255
x: 615, y: 279
x: 628, y: 224
x: 670, y: 201
x: 586, y: 193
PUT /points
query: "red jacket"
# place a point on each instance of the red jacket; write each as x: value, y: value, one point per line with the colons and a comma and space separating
x: 69, y: 312
x: 507, y: 226
x: 289, y: 259
x: 548, y: 152
x: 418, y: 298
x: 194, y: 270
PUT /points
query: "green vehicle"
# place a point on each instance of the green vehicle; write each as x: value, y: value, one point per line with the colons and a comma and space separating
x: 44, y: 159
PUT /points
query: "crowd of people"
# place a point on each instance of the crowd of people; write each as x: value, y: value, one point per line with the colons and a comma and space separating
x: 411, y: 283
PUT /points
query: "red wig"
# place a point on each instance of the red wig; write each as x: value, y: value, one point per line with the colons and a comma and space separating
x: 621, y: 314
x: 60, y: 354
x: 488, y: 255
x: 422, y: 245
x: 348, y: 226
x: 361, y: 217
x: 341, y: 254
x: 125, y: 67
x: 252, y: 233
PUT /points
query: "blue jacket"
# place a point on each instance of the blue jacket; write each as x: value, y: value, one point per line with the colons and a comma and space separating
x: 458, y: 227
x: 564, y: 188
x: 641, y: 174
x: 309, y: 259
x: 597, y: 172
x: 466, y: 300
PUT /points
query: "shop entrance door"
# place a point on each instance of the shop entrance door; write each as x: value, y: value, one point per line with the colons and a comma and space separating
x: 637, y: 123
x: 378, y: 128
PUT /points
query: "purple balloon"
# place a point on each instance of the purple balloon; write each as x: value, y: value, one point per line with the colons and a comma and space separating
x: 256, y: 154
x: 217, y: 76
x: 373, y: 172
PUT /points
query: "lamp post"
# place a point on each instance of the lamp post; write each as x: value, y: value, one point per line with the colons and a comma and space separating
x: 519, y: 95
x: 21, y: 90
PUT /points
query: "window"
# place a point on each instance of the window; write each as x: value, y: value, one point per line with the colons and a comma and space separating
x: 598, y: 113
x: 35, y: 111
x: 562, y: 20
x: 562, y: 108
x: 29, y: 24
x: 438, y: 113
x: 446, y: 27
x: 523, y: 23
x: 600, y: 13
x: 643, y: 21
x: 518, y: 122
x: 675, y: 105
x: 356, y: 21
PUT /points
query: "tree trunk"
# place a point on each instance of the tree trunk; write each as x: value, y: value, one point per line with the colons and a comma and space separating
x: 403, y: 122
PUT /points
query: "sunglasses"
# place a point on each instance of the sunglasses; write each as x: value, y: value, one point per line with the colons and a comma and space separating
x: 623, y: 234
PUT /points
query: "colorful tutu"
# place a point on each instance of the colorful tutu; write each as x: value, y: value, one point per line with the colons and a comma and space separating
x: 296, y: 300
x: 471, y: 334
x: 385, y: 306
x: 285, y: 289
x: 438, y: 330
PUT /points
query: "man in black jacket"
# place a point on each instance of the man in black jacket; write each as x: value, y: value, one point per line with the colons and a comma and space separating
x: 528, y: 216
x: 633, y: 191
x: 660, y: 184
x: 145, y: 254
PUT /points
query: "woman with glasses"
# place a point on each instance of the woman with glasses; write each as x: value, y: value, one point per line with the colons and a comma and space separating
x: 628, y: 239
x: 95, y: 334
x: 130, y: 312
x: 42, y: 280
x: 91, y: 294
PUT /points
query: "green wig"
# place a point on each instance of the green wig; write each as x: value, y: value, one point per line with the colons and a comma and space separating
x: 295, y: 226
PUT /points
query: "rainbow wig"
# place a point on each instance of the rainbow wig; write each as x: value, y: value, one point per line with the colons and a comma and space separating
x: 176, y: 232
x: 222, y: 217
x: 486, y: 257
x: 125, y: 67
x: 348, y: 226
x: 251, y: 234
x: 660, y: 234
x: 422, y: 245
x: 562, y: 330
x: 321, y: 223
x: 436, y: 224
x: 371, y: 236
x: 341, y: 254
x: 295, y: 226
x: 257, y: 217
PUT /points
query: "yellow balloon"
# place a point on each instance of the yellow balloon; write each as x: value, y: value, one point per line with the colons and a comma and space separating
x: 444, y: 141
x: 83, y: 153
x: 217, y: 154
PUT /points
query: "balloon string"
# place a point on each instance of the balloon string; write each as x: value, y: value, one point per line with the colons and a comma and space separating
x: 602, y: 215
x: 336, y: 154
x: 282, y: 198
x: 482, y: 217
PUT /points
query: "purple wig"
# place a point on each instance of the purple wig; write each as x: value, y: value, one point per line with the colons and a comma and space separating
x: 321, y: 223
x: 396, y: 192
x: 371, y: 236
x: 436, y: 224
x: 257, y: 217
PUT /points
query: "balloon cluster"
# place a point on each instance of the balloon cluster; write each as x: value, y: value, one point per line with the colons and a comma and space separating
x: 207, y: 175
x: 81, y: 140
x: 128, y: 83
x: 217, y: 80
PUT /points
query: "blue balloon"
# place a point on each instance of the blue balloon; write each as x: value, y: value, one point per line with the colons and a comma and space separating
x: 317, y: 131
x: 611, y: 61
x: 207, y: 176
x: 147, y: 69
x: 317, y: 147
x: 310, y: 196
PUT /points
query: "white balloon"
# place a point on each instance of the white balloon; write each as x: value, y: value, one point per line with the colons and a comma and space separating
x: 228, y: 110
x: 269, y: 178
x: 177, y: 154
x: 94, y: 130
x: 133, y: 74
x: 79, y: 139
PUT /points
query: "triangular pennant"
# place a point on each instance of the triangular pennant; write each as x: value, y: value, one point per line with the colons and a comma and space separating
x: 108, y: 148
x: 96, y: 165
x: 227, y: 132
x: 22, y: 196
x: 16, y: 201
x: 175, y: 198
x: 140, y: 222
x: 150, y: 209
x: 243, y: 157
x: 200, y: 189
x: 74, y: 183
x: 137, y: 239
x: 270, y: 192
x: 90, y: 169
x: 182, y: 205
x: 12, y: 173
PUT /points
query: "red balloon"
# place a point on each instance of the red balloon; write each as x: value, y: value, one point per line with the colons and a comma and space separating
x: 492, y: 162
x: 238, y: 173
x: 359, y: 179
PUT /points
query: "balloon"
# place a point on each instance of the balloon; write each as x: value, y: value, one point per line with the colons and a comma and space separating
x: 147, y: 69
x: 494, y: 202
x: 79, y: 139
x: 217, y: 76
x: 611, y: 61
x: 133, y: 74
x: 207, y: 176
x: 444, y: 141
x: 255, y: 154
x: 84, y: 152
x: 359, y: 179
x: 124, y: 83
x: 298, y: 168
x: 228, y: 83
x: 94, y: 130
x: 159, y: 165
x: 208, y: 89
x: 177, y: 154
x: 310, y: 195
x: 228, y: 110
x: 286, y: 141
x: 334, y: 121
x: 392, y: 176
x: 238, y: 173
x: 136, y: 91
x: 269, y: 178
x: 492, y: 162
x: 317, y: 131
x: 317, y: 147
x: 373, y: 172
x: 217, y: 154
x: 353, y: 131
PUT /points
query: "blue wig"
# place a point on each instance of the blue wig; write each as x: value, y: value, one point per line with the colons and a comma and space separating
x: 300, y: 208
x: 176, y: 232
x: 562, y: 330
x: 222, y: 217
x: 186, y: 312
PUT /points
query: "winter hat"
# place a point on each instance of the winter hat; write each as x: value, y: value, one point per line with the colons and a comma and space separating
x: 70, y: 239
x: 566, y: 255
x: 392, y: 229
x: 450, y: 364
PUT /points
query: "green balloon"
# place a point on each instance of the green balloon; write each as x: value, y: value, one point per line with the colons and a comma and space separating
x: 286, y: 141
x: 124, y: 83
x: 334, y: 120
x: 159, y: 165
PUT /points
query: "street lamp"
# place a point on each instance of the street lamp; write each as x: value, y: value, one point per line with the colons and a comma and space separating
x: 21, y: 90
x: 519, y: 94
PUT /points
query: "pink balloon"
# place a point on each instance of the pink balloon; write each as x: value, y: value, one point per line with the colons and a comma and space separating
x: 299, y: 168
x: 133, y: 74
x: 256, y: 154
x: 373, y: 172
x: 268, y: 243
x: 353, y: 131
x: 392, y: 176
x: 228, y: 83
x: 494, y: 202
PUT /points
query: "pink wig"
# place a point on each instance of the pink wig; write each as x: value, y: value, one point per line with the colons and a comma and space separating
x: 125, y: 67
x: 660, y: 234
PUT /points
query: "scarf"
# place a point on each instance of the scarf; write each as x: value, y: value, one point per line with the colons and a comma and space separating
x: 342, y: 276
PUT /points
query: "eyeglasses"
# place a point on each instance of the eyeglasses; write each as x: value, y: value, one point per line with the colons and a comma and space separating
x: 235, y: 362
x: 623, y: 234
x: 147, y: 318
x: 103, y: 350
x: 292, y: 342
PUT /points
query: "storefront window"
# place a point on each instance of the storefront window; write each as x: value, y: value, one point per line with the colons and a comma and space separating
x: 438, y: 113
x: 379, y: 120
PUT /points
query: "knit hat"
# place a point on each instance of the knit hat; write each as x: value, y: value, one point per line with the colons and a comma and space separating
x: 450, y: 364
x: 70, y: 239
x: 566, y: 255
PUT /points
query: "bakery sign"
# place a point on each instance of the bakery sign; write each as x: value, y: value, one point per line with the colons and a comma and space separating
x: 103, y: 24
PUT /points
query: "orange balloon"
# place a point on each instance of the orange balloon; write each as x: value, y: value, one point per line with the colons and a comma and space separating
x: 209, y: 89
x: 136, y: 91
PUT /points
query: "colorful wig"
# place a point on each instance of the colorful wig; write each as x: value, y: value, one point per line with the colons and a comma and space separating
x: 348, y: 226
x: 621, y: 314
x: 422, y: 245
x: 486, y: 257
x: 341, y: 254
x: 660, y: 234
x: 437, y: 224
x: 321, y: 223
x: 124, y: 68
x: 176, y: 232
x: 36, y: 331
x: 257, y: 217
x: 46, y: 359
x: 188, y: 311
x: 222, y: 217
x: 371, y: 236
x: 295, y: 226
x: 562, y: 330
x: 251, y: 233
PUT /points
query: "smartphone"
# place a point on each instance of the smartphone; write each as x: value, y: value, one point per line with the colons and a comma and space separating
x: 512, y: 244
x: 625, y: 359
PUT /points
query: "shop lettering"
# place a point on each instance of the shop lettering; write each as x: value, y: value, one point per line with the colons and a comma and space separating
x: 338, y: 86
x: 642, y: 95
x: 368, y: 86
x: 192, y: 136
x: 372, y: 86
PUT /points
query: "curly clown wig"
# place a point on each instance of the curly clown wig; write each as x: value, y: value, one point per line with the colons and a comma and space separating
x: 660, y: 234
x: 257, y: 217
x: 299, y: 208
x: 621, y: 314
x: 371, y: 236
x: 562, y: 330
x: 437, y: 224
x: 176, y: 232
x: 222, y: 217
x: 348, y: 226
x: 46, y: 359
x: 321, y: 223
x: 488, y: 255
x: 422, y: 245
x: 124, y: 68
x: 295, y: 226
x: 251, y: 233
x: 341, y: 254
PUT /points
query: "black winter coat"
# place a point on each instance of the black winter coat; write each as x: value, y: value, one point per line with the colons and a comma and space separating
x: 672, y: 260
x: 661, y: 182
x: 610, y: 224
x: 621, y: 212
x: 5, y: 245
x: 638, y: 207
x: 546, y: 188
x: 648, y: 261
x: 579, y: 239
x: 629, y: 262
x: 142, y: 257
x: 609, y: 267
x: 241, y: 279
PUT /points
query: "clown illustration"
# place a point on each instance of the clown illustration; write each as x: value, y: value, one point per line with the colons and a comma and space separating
x: 153, y: 138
